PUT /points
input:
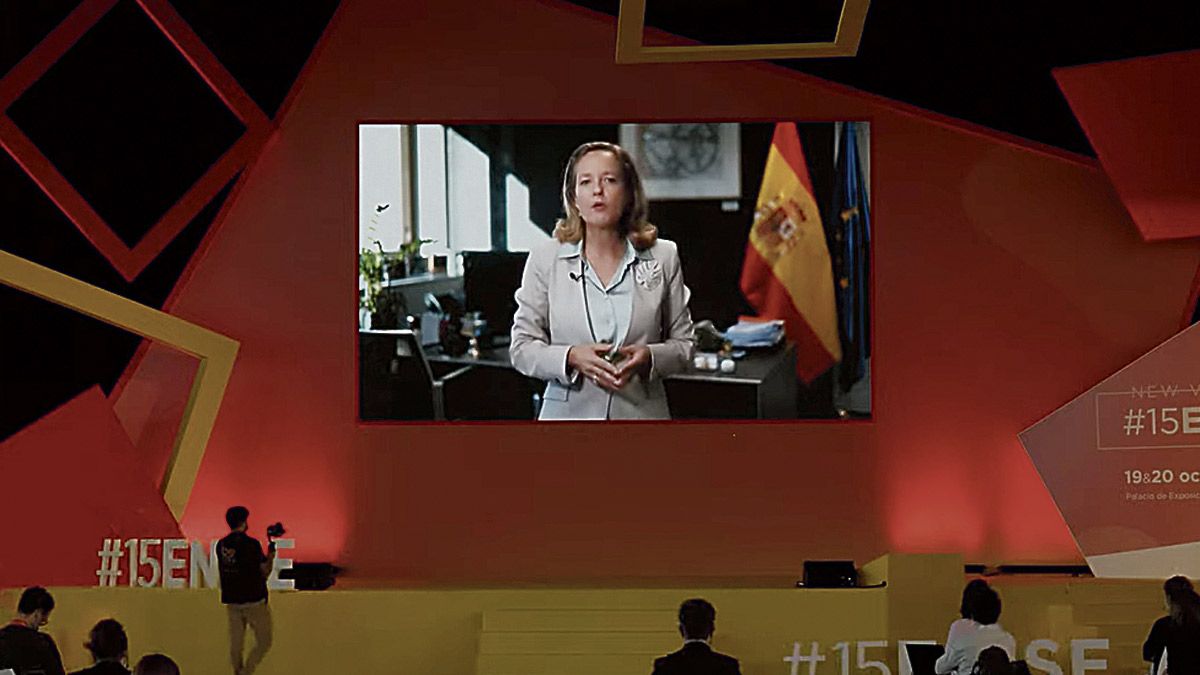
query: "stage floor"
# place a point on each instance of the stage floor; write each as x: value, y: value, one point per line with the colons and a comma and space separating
x: 576, y: 630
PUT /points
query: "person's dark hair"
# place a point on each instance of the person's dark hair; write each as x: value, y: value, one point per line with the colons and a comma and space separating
x: 992, y: 661
x: 1182, y: 600
x: 35, y: 598
x: 987, y: 606
x: 698, y: 618
x: 236, y: 515
x: 156, y: 664
x: 1176, y: 585
x: 108, y: 640
x: 970, y: 591
x: 1185, y: 607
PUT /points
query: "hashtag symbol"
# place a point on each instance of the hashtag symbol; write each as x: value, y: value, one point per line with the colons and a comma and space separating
x: 110, y: 562
x: 1134, y: 422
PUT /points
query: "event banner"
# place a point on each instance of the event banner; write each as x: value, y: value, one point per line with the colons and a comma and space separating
x: 1122, y: 461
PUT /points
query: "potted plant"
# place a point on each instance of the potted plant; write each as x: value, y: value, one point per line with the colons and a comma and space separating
x: 370, y: 272
x: 407, y: 260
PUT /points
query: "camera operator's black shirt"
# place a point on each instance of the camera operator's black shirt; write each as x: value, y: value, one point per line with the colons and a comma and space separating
x: 26, y: 650
x: 240, y: 557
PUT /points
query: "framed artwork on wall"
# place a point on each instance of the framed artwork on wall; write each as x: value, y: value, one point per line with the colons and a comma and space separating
x: 686, y: 161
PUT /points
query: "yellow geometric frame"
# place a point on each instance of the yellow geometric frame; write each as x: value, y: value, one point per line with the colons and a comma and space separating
x: 215, y: 352
x: 631, y: 24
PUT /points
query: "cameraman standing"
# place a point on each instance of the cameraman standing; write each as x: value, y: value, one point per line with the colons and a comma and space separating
x: 244, y: 571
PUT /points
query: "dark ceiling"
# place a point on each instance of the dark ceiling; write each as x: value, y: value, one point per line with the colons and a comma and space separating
x: 984, y: 62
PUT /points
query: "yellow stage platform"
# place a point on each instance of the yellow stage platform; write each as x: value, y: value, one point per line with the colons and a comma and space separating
x: 586, y: 631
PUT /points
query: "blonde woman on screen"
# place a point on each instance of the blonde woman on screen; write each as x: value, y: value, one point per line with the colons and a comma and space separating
x: 602, y: 311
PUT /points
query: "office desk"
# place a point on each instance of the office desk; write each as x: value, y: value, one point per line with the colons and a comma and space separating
x: 395, y: 385
x: 762, y: 387
x: 399, y: 380
x: 492, y: 389
x: 488, y: 358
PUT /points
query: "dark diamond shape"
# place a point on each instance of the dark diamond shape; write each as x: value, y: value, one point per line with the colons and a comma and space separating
x: 234, y: 31
x: 48, y: 354
x: 24, y: 24
x: 37, y: 230
x: 127, y: 121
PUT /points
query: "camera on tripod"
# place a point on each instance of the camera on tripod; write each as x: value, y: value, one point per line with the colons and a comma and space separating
x: 275, y: 531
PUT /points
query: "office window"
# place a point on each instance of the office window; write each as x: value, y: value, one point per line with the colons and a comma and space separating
x: 430, y: 183
x: 522, y: 234
x: 469, y: 194
x: 383, y: 204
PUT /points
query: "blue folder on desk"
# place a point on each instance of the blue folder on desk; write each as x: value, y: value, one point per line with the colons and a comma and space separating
x: 750, y: 334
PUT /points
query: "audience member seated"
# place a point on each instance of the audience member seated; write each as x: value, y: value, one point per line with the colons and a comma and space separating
x: 697, y: 622
x: 156, y: 664
x: 964, y: 645
x: 25, y: 649
x: 1179, y: 632
x: 992, y: 661
x: 966, y: 610
x: 109, y: 647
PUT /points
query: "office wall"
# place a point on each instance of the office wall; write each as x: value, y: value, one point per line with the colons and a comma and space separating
x: 1007, y: 279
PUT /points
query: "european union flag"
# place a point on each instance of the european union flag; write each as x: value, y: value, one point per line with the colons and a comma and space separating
x: 851, y: 246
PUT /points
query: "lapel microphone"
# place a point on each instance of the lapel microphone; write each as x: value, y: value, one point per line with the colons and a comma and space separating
x: 579, y: 277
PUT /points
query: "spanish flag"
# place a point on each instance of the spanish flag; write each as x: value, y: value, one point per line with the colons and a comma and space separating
x: 787, y: 273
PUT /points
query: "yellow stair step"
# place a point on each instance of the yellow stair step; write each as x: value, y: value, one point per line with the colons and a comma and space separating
x: 1117, y: 615
x: 580, y: 620
x: 644, y: 644
x: 562, y: 664
x: 1130, y: 634
x: 1116, y: 592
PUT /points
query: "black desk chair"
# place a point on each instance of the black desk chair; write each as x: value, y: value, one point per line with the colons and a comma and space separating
x: 395, y: 381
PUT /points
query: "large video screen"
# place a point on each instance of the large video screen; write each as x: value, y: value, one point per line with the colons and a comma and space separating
x: 634, y: 271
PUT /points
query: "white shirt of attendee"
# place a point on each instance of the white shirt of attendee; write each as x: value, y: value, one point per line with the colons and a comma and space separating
x: 966, y: 639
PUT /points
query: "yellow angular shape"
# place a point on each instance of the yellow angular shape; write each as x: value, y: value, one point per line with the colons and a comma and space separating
x: 216, y: 353
x: 631, y: 24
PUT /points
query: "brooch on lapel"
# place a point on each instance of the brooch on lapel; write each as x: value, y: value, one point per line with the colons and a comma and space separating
x: 648, y: 274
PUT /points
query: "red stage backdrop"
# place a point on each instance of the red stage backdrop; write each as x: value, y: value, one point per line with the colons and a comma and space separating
x: 1136, y: 109
x: 1008, y: 278
x: 72, y: 480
